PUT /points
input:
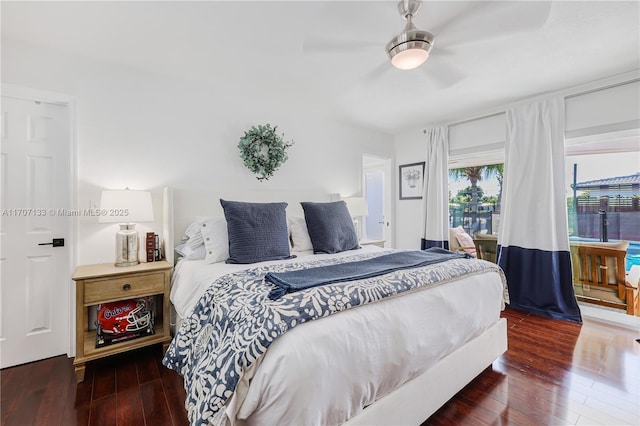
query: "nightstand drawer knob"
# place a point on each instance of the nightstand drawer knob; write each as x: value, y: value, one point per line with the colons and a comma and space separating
x: 126, y: 287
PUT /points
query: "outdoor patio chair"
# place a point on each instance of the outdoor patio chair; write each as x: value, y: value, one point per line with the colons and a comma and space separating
x: 486, y: 246
x: 599, y: 277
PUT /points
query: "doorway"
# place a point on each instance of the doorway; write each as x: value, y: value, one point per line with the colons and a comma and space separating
x: 36, y: 175
x: 376, y: 188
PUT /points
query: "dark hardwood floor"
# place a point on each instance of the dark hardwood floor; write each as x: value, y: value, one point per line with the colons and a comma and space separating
x: 554, y: 372
x: 126, y: 389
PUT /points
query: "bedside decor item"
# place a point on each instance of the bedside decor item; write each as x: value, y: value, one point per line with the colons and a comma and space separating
x: 126, y: 207
x: 150, y: 246
x: 263, y: 150
x: 124, y: 320
x: 411, y: 178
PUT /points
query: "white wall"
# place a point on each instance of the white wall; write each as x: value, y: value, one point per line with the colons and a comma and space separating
x: 590, y: 110
x: 410, y: 148
x: 147, y: 131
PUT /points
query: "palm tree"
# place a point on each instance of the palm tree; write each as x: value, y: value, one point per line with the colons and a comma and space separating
x: 476, y: 174
x: 497, y: 171
x: 473, y: 174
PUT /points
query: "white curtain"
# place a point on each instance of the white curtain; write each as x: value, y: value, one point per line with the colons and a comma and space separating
x: 533, y: 235
x: 435, y: 192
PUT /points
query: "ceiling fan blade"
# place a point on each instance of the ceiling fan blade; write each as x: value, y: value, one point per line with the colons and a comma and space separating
x: 356, y: 22
x: 441, y: 73
x: 440, y: 52
x: 490, y: 20
x: 375, y: 74
x: 311, y: 45
x: 369, y: 80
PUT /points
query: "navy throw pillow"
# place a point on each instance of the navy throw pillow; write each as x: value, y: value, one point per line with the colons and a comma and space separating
x: 257, y: 231
x: 330, y: 227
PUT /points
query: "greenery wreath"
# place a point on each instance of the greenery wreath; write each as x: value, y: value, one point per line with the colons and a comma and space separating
x: 263, y: 150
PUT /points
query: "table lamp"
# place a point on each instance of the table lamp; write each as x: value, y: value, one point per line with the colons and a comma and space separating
x: 357, y: 208
x: 126, y: 206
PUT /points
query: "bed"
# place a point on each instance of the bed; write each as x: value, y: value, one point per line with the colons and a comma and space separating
x: 395, y: 361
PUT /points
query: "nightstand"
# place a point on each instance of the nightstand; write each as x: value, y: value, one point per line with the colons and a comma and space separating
x: 379, y: 243
x: 102, y: 283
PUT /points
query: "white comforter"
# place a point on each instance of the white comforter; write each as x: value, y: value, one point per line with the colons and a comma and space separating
x: 326, y: 371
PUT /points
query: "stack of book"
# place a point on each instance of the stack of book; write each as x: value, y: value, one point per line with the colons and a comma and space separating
x: 152, y: 246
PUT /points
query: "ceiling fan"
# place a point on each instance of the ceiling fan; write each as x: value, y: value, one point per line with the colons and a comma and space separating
x: 410, y: 48
x: 471, y: 23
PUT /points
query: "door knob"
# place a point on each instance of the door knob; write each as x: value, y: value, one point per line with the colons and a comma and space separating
x: 56, y: 242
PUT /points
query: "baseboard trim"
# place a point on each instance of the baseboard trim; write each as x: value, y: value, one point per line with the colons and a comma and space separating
x: 610, y: 317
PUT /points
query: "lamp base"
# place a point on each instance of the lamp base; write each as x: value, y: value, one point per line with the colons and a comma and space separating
x: 356, y: 225
x: 127, y: 245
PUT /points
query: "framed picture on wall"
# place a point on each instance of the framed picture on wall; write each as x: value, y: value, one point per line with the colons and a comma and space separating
x: 411, y: 178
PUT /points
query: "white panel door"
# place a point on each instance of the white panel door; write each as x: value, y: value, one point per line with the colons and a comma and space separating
x: 376, y: 187
x: 374, y: 183
x: 34, y: 183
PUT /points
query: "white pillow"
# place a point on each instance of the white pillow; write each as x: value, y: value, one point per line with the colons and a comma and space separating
x: 216, y: 238
x: 300, y: 238
x: 192, y: 254
x: 192, y: 236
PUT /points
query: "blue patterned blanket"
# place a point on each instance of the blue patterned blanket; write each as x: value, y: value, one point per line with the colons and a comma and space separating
x: 234, y: 322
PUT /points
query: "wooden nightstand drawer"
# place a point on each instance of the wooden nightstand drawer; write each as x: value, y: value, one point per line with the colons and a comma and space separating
x: 103, y: 290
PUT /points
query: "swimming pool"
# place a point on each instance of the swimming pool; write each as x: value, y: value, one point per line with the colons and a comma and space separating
x: 633, y: 254
x: 633, y: 251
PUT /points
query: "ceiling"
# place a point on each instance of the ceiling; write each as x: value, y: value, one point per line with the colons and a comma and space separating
x: 499, y: 50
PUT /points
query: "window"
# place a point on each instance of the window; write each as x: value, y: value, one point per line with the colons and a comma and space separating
x: 603, y: 205
x: 474, y: 197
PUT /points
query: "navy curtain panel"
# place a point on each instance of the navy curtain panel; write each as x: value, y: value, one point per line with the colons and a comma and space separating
x: 533, y: 240
x: 425, y: 244
x: 435, y: 192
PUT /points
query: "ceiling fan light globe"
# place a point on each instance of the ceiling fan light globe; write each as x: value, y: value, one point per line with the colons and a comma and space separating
x: 409, y: 59
x: 410, y: 49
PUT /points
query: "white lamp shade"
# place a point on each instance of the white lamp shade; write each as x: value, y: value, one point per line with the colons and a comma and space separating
x: 125, y: 206
x: 357, y: 206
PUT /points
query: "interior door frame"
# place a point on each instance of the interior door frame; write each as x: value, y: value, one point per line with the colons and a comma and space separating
x: 71, y: 102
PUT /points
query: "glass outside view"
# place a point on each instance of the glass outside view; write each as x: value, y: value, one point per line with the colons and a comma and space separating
x: 607, y: 195
x: 606, y: 206
x: 474, y: 198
